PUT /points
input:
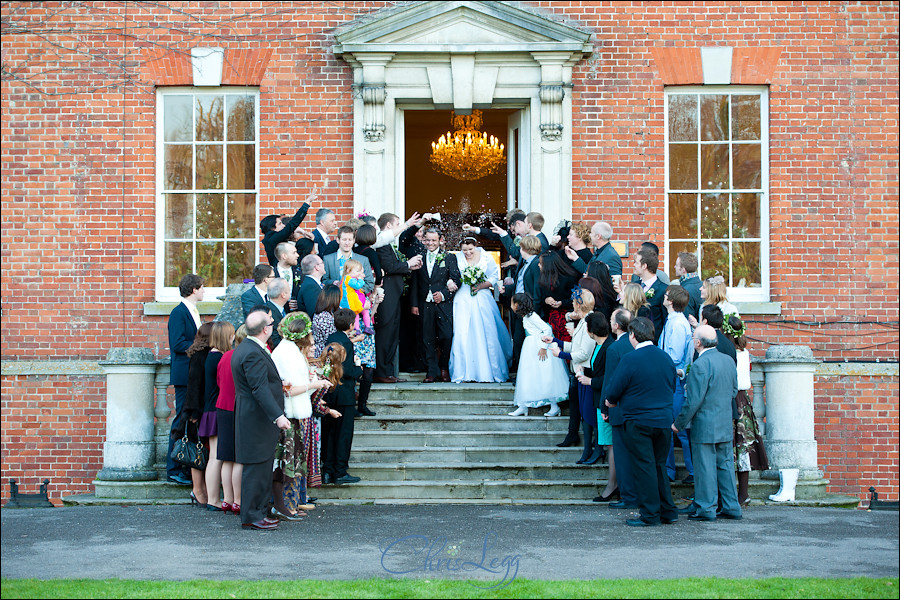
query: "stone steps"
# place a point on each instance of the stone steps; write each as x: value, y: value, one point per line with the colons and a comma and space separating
x: 442, y: 424
x: 438, y: 438
x: 448, y: 455
x: 496, y: 471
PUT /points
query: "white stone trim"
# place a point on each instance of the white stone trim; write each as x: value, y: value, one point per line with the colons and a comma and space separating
x: 716, y: 65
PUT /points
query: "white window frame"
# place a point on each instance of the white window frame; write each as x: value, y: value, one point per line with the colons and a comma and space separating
x: 735, y: 294
x: 167, y: 294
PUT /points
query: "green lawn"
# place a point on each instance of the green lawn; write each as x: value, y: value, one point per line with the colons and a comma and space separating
x: 442, y: 588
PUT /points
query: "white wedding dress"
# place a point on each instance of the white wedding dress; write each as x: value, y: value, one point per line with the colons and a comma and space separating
x: 482, y: 346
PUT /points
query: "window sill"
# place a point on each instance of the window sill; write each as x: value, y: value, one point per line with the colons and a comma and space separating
x: 758, y: 308
x: 162, y: 309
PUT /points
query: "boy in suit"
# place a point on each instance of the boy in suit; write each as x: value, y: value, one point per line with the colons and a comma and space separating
x: 434, y: 285
x: 526, y: 281
x: 338, y: 433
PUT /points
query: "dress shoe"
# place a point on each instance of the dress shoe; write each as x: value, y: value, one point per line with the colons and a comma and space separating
x: 696, y: 517
x: 668, y: 521
x: 347, y: 479
x: 260, y: 525
x: 270, y: 520
x: 730, y: 516
x: 390, y: 379
x: 179, y: 479
x: 311, y: 500
x: 280, y: 516
x: 639, y: 523
x: 621, y: 504
x: 569, y: 441
x: 364, y: 411
x: 688, y: 510
x: 327, y: 479
x: 445, y: 376
x: 608, y: 497
x: 428, y: 379
x: 689, y: 480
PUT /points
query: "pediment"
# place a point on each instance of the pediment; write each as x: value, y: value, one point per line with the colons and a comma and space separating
x: 458, y: 27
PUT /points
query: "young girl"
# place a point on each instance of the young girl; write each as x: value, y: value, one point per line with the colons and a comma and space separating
x: 749, y: 451
x: 541, y: 379
x: 352, y: 296
x: 327, y: 367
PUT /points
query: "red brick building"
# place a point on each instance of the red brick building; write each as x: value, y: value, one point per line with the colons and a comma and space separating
x: 763, y: 134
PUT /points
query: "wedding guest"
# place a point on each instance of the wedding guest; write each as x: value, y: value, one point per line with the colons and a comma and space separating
x: 607, y: 300
x: 258, y: 294
x: 326, y: 223
x: 534, y: 223
x: 338, y: 433
x: 541, y: 379
x: 220, y: 339
x: 557, y: 280
x: 526, y: 281
x: 327, y: 367
x: 579, y: 352
x: 635, y: 300
x: 193, y: 406
x: 660, y: 274
x: 601, y: 233
x: 412, y: 344
x: 323, y: 321
x: 275, y: 230
x: 591, y: 376
x: 313, y: 269
x: 676, y: 341
x: 231, y: 470
x: 279, y: 291
x: 334, y: 263
x: 686, y: 268
x: 287, y: 269
x: 750, y: 452
x: 578, y: 238
x: 712, y: 315
x: 366, y: 237
x: 645, y: 265
x: 715, y: 293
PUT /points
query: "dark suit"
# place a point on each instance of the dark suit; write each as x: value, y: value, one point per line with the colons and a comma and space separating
x: 387, y: 320
x: 272, y: 238
x: 545, y: 243
x: 277, y: 315
x: 337, y: 434
x: 182, y: 330
x: 607, y: 255
x: 437, y: 317
x: 658, y: 312
x: 333, y: 271
x: 259, y: 401
x: 711, y: 386
x: 624, y: 476
x: 643, y: 385
x: 308, y: 296
x: 324, y: 247
x: 530, y: 279
x: 251, y: 299
x: 692, y: 285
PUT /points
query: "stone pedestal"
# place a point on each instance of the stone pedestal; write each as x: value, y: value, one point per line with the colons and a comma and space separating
x: 162, y: 412
x: 790, y: 417
x: 130, y: 449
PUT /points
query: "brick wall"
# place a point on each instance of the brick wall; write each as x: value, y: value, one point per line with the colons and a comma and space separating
x: 78, y: 203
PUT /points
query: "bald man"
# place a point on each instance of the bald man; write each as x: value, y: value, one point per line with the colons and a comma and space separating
x: 711, y: 385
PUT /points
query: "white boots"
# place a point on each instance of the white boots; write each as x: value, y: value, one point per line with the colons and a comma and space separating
x: 522, y: 410
x: 788, y: 485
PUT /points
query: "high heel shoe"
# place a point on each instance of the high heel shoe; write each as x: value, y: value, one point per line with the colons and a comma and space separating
x: 569, y: 441
x: 608, y: 497
x: 598, y: 453
x: 214, y: 508
x: 235, y: 508
x: 519, y: 412
x: 194, y: 501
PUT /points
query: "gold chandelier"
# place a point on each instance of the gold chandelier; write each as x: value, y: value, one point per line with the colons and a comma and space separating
x: 467, y: 154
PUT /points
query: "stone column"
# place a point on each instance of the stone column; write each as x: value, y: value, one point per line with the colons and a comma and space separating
x: 790, y: 416
x: 758, y: 382
x: 129, y: 450
x: 162, y: 412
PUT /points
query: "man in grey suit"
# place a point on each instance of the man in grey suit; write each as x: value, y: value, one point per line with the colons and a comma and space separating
x: 334, y: 263
x: 711, y: 385
x: 259, y: 414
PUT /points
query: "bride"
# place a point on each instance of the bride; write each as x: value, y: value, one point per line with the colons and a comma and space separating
x: 481, y: 347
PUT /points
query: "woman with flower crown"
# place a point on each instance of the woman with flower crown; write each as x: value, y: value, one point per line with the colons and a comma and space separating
x: 481, y: 348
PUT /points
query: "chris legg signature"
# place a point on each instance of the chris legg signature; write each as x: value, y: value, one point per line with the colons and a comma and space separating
x: 419, y: 553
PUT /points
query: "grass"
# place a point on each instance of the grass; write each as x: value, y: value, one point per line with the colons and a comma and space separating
x: 707, y: 587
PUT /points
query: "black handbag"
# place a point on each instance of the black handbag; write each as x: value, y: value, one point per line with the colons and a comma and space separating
x: 190, y: 453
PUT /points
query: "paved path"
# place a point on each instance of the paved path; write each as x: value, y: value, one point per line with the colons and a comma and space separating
x: 347, y: 542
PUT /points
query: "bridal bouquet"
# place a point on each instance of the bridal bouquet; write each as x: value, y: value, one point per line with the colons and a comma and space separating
x: 472, y: 276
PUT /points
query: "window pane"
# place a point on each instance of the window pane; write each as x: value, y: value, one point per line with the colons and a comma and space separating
x: 241, y: 260
x: 209, y: 167
x: 211, y: 263
x: 713, y: 117
x: 241, y: 166
x: 179, y: 262
x: 714, y: 260
x: 714, y: 216
x: 674, y: 249
x: 209, y: 118
x: 241, y: 215
x: 746, y: 215
x: 747, y: 264
x: 179, y: 216
x: 682, y: 118
x: 683, y: 166
x: 178, y: 167
x: 745, y: 118
x: 683, y: 216
x: 210, y: 216
x: 714, y: 166
x: 747, y: 166
x: 177, y: 119
x: 241, y: 118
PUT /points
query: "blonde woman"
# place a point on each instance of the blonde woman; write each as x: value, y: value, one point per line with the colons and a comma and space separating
x: 231, y: 470
x: 634, y: 299
x: 714, y: 291
x: 220, y: 339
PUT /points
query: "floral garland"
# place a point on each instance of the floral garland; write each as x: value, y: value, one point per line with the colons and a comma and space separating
x: 290, y: 318
x: 472, y: 276
x: 727, y: 329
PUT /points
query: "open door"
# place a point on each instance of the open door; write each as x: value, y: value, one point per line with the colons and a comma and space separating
x: 518, y: 162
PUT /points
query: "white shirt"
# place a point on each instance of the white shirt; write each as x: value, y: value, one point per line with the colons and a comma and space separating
x: 325, y: 236
x: 194, y: 312
x: 287, y: 274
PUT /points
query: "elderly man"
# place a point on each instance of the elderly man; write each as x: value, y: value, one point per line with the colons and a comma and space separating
x: 326, y: 223
x: 313, y: 269
x: 711, y: 385
x: 643, y: 384
x: 279, y: 295
x: 259, y: 414
x: 604, y: 252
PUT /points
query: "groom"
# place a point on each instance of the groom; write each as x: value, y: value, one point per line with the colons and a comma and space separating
x: 432, y: 297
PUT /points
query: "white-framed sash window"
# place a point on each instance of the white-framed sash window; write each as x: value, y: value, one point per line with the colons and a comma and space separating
x: 207, y: 186
x: 717, y: 184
